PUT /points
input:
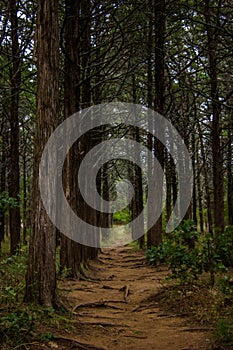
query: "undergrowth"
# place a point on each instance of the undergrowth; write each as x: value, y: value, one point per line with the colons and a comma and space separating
x: 22, y: 323
x: 191, y: 257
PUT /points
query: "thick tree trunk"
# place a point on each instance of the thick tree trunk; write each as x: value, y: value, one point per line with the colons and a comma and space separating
x: 41, y: 274
x: 14, y: 173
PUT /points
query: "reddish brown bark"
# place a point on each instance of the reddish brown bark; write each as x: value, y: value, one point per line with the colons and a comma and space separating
x: 41, y: 274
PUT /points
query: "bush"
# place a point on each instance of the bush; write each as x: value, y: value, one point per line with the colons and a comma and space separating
x: 12, y: 278
x: 16, y: 327
x: 122, y: 217
x: 224, y: 245
x: 189, y: 254
x: 223, y: 335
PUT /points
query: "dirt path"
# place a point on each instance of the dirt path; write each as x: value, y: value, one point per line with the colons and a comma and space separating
x: 113, y: 312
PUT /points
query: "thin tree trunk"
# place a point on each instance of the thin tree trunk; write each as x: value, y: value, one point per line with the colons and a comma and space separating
x: 230, y: 179
x: 150, y: 106
x: 14, y: 173
x: 92, y: 139
x: 168, y: 186
x: 212, y: 37
x: 155, y: 233
x: 194, y: 204
x: 24, y: 212
x: 3, y: 184
x: 71, y: 251
x: 199, y: 194
x: 206, y: 180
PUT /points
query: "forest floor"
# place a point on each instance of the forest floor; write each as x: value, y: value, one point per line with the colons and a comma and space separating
x: 116, y: 308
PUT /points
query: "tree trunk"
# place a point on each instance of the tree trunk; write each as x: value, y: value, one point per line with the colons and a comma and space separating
x: 206, y: 180
x: 212, y: 36
x: 168, y: 185
x: 14, y: 173
x: 71, y: 251
x: 3, y: 182
x: 150, y: 105
x: 155, y: 233
x: 41, y: 274
x: 199, y: 194
x: 194, y: 202
x: 230, y: 179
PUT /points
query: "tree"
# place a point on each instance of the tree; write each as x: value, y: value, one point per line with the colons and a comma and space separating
x: 155, y: 232
x: 14, y: 174
x: 212, y: 34
x: 41, y: 273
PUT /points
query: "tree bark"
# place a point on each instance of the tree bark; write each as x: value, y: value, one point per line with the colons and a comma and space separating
x: 3, y: 182
x: 212, y: 37
x: 155, y: 232
x: 14, y: 173
x: 41, y: 273
x: 71, y: 251
x: 230, y: 178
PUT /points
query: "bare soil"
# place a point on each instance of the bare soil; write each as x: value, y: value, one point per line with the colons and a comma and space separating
x: 113, y: 308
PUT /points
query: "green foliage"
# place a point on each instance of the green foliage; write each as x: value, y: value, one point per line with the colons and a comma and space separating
x: 224, y: 245
x: 224, y: 333
x: 189, y: 254
x: 65, y: 273
x: 46, y: 337
x: 16, y: 327
x: 185, y: 263
x: 122, y: 217
x: 7, y: 202
x: 12, y: 278
x: 225, y: 285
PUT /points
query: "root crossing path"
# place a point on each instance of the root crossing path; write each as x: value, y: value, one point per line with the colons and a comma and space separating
x: 114, y: 311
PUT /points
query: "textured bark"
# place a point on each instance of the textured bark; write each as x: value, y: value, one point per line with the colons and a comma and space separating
x: 200, y: 196
x: 150, y: 103
x: 139, y: 196
x: 155, y: 232
x: 14, y: 173
x: 212, y: 36
x: 194, y: 201
x: 230, y: 178
x: 86, y: 99
x: 41, y: 274
x: 168, y: 186
x: 71, y: 251
x: 3, y: 182
x: 206, y: 181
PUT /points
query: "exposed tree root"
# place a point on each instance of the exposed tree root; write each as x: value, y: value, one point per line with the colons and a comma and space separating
x: 82, y: 346
x: 100, y: 303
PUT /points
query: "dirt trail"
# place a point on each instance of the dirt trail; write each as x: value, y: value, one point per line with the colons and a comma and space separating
x: 113, y: 312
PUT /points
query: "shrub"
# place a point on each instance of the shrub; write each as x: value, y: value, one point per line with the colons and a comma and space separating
x: 189, y: 254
